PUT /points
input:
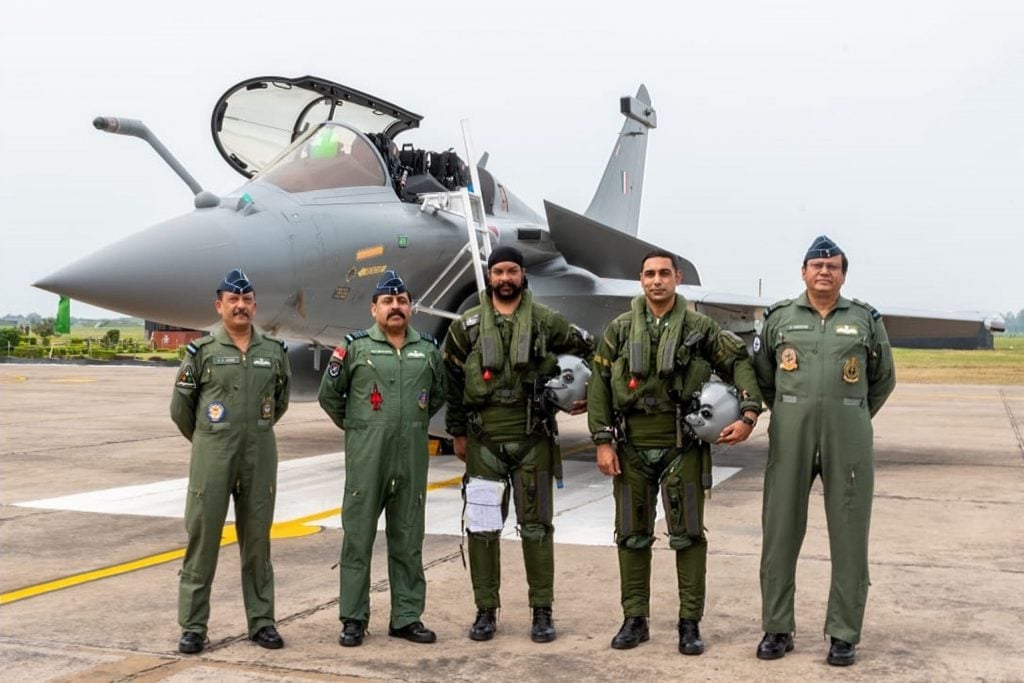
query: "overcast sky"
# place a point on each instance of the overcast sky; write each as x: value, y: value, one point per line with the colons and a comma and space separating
x: 897, y: 128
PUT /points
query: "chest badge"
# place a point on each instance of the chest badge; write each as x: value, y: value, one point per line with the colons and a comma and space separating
x: 216, y: 412
x: 376, y: 400
x: 848, y: 330
x: 266, y: 408
x: 851, y: 371
x: 788, y: 360
x: 423, y: 399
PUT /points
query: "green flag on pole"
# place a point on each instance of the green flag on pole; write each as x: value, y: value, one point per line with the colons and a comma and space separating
x: 63, y: 323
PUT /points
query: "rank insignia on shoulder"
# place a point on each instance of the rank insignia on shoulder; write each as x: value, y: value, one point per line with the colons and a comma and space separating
x: 788, y: 361
x: 430, y: 338
x: 851, y: 371
x: 333, y: 369
x: 191, y: 349
x: 358, y: 334
x: 186, y: 378
x: 216, y: 412
x: 266, y: 408
x: 470, y: 321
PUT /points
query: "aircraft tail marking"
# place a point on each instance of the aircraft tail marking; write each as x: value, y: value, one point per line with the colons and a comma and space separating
x: 617, y: 200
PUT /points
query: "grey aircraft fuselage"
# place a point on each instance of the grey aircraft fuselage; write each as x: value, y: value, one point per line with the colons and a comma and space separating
x: 332, y: 203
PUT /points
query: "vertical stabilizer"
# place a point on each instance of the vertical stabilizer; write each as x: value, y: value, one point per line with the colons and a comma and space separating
x: 617, y: 200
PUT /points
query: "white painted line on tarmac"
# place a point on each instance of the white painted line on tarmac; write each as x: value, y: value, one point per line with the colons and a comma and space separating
x: 584, y: 509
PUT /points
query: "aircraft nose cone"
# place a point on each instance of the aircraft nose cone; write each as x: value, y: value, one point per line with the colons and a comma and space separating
x: 167, y: 273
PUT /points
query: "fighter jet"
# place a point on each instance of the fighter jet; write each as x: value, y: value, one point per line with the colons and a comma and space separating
x: 332, y: 199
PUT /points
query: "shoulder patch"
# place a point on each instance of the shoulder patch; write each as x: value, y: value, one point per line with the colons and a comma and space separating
x: 186, y: 378
x: 430, y: 338
x: 871, y: 309
x: 277, y: 341
x: 778, y: 304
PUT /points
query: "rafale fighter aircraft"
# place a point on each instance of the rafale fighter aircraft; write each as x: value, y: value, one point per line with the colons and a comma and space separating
x: 334, y: 199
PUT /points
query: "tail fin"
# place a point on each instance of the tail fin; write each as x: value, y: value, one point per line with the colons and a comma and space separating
x: 617, y: 200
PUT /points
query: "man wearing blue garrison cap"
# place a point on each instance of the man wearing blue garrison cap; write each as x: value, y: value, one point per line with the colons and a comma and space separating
x: 231, y: 389
x: 825, y: 368
x: 381, y: 386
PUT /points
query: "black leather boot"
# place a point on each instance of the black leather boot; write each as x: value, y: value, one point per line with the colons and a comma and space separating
x: 191, y: 643
x: 352, y: 633
x: 774, y: 645
x: 841, y: 653
x: 633, y: 632
x: 485, y: 625
x: 543, y: 627
x: 689, y: 637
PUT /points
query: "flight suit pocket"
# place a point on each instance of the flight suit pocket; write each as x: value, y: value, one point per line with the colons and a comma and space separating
x: 794, y: 354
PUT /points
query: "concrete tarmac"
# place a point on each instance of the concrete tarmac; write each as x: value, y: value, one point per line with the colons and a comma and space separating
x: 947, y: 556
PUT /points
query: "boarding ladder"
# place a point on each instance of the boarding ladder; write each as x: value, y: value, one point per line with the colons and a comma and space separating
x: 468, y: 204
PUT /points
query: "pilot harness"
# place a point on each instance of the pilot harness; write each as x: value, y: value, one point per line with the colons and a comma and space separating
x: 679, y: 501
x: 541, y: 424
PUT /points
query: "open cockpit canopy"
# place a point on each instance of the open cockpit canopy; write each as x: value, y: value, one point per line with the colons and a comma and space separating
x: 257, y: 119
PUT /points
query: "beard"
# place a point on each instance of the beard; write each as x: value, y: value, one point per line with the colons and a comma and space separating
x: 507, y: 291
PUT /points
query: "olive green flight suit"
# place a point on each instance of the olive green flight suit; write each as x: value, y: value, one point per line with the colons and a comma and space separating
x: 490, y: 406
x: 226, y: 403
x: 383, y: 398
x: 824, y: 379
x: 653, y: 454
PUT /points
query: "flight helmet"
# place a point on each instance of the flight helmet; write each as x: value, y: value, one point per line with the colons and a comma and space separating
x: 719, y: 406
x: 570, y: 384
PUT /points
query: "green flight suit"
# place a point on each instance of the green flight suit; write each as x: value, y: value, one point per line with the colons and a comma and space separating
x: 491, y: 406
x: 383, y: 398
x: 823, y: 379
x: 226, y: 403
x: 639, y: 405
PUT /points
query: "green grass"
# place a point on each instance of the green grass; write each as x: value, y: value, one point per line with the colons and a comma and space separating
x: 1002, y: 365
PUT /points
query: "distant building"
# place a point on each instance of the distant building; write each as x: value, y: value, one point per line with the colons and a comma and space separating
x: 169, y: 337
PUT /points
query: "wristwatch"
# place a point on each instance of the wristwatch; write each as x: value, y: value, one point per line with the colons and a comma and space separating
x: 747, y: 421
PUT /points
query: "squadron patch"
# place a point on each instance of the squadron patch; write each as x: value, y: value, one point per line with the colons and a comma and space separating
x: 851, y: 371
x: 333, y: 369
x: 216, y: 412
x: 186, y: 379
x: 423, y: 399
x: 757, y: 344
x: 266, y: 408
x: 788, y: 361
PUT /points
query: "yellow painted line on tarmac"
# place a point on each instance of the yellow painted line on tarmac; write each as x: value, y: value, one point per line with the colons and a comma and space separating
x: 291, y: 529
x: 72, y: 380
x: 11, y: 379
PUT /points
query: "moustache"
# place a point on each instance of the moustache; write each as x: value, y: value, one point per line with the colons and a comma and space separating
x: 240, y: 311
x: 396, y: 313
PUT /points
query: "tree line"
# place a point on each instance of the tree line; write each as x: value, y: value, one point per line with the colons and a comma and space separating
x: 1015, y: 322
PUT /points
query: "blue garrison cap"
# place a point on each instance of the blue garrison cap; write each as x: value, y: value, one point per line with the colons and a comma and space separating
x: 235, y: 282
x: 823, y: 247
x: 390, y: 283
